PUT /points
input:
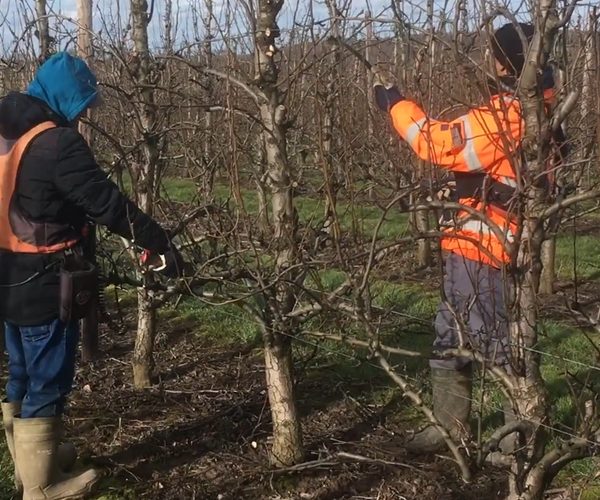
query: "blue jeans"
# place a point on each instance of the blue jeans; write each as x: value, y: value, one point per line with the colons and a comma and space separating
x: 41, y: 366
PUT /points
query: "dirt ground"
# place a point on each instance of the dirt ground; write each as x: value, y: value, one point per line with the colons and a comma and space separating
x: 203, y: 432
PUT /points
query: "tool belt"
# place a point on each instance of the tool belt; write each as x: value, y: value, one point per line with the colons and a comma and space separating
x: 483, y: 188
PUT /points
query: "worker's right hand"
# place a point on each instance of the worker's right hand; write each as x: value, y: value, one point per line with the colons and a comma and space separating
x: 169, y: 264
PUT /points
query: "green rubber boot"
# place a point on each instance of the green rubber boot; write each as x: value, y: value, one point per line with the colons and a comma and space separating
x: 452, y: 392
x: 36, y: 453
x: 67, y: 454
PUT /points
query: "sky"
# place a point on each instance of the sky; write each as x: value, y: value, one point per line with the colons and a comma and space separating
x: 111, y: 17
x: 17, y: 18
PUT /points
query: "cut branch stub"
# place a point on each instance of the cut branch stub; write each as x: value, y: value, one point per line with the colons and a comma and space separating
x: 266, y: 34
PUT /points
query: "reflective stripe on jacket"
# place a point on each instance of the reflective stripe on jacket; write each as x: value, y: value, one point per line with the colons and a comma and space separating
x: 479, y: 142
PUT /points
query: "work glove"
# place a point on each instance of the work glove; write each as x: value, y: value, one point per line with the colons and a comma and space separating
x: 387, y: 94
x: 383, y: 77
x: 169, y: 264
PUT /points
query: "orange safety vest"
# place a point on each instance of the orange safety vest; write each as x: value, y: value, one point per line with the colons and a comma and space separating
x: 473, y: 147
x: 17, y: 233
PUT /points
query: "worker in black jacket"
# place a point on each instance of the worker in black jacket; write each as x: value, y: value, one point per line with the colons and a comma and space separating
x: 50, y: 185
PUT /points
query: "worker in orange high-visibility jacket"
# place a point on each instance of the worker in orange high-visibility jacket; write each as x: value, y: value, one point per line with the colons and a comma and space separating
x: 480, y: 149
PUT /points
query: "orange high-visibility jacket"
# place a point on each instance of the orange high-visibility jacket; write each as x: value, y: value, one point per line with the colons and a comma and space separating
x: 17, y: 233
x: 475, y: 143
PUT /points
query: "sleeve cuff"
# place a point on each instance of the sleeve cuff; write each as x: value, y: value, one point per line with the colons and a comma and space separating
x: 386, y: 99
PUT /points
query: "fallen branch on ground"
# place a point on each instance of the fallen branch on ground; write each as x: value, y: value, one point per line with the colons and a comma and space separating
x: 337, y: 459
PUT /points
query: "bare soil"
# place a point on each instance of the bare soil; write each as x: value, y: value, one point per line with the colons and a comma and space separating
x: 202, y: 431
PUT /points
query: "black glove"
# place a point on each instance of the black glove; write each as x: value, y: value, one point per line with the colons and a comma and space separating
x: 173, y: 264
x: 169, y: 264
x: 387, y: 94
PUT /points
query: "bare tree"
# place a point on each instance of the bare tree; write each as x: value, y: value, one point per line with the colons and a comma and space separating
x: 420, y: 218
x: 278, y: 331
x: 209, y: 160
x: 528, y: 391
x: 330, y: 98
x: 89, y: 325
x: 145, y: 177
x: 587, y: 90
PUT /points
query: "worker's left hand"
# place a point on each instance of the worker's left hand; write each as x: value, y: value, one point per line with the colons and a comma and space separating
x: 387, y: 94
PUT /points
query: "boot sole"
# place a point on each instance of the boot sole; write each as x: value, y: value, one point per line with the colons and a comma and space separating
x: 89, y: 489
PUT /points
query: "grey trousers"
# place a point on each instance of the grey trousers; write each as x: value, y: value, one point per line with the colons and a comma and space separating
x: 477, y: 293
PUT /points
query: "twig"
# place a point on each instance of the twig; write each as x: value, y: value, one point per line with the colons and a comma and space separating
x: 495, y: 370
x: 352, y: 457
x: 567, y: 202
x: 365, y: 344
x: 353, y: 51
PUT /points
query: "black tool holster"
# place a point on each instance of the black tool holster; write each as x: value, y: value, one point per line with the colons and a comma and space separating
x: 78, y: 286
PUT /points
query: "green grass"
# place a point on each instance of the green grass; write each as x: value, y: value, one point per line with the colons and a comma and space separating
x: 581, y: 254
x: 6, y: 481
x: 360, y: 217
x: 226, y: 323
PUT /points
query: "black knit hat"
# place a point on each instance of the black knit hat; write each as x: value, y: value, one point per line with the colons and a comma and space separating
x: 508, y: 48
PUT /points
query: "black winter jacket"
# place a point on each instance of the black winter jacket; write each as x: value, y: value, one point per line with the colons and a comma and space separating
x: 63, y: 185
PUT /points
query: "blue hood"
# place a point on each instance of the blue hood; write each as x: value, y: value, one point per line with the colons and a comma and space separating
x: 66, y: 84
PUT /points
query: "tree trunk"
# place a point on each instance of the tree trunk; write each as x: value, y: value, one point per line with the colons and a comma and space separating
x: 287, y: 441
x: 89, y: 325
x: 286, y: 427
x: 43, y: 31
x: 424, y: 252
x: 530, y: 394
x: 143, y: 359
x: 420, y: 225
x: 277, y: 330
x: 261, y: 188
x: 168, y: 28
x: 329, y: 161
x: 371, y: 169
x: 210, y: 165
x: 146, y: 184
x: 421, y: 218
x: 589, y: 79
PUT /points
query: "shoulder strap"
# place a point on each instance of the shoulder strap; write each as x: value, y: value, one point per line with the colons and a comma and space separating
x: 24, y: 141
